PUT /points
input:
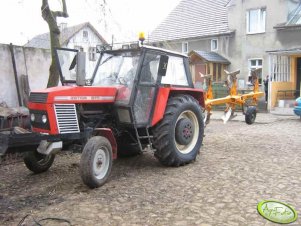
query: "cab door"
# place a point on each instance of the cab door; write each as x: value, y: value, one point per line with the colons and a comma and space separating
x: 146, y: 89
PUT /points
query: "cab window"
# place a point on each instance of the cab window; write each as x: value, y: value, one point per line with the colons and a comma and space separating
x: 175, y: 74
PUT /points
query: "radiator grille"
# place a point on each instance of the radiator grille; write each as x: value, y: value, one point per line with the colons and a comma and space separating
x: 66, y: 118
x: 38, y: 97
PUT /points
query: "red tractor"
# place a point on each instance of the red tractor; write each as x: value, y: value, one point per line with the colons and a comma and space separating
x: 136, y: 98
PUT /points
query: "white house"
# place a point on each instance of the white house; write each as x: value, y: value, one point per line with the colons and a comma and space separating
x: 83, y: 37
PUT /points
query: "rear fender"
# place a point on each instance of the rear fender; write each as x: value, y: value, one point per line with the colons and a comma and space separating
x: 165, y: 92
x: 107, y: 133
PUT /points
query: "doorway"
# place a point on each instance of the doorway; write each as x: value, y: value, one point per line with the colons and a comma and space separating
x: 298, y: 76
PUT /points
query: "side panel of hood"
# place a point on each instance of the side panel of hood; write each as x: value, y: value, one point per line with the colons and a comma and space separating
x: 79, y: 94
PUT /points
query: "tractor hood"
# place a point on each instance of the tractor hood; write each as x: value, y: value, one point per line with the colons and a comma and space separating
x: 74, y: 94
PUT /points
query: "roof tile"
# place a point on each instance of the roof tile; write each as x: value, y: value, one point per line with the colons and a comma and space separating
x: 210, y: 56
x: 193, y: 18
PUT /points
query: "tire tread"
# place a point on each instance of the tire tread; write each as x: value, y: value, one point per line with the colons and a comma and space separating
x: 86, y: 162
x: 164, y: 153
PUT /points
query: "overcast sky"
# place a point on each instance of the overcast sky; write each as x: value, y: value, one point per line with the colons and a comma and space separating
x: 20, y: 20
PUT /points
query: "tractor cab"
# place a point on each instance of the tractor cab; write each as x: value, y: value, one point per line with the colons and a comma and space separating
x: 137, y: 74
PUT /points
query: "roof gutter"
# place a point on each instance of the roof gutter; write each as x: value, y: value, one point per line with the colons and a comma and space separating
x: 287, y: 27
x: 229, y: 33
x: 296, y: 51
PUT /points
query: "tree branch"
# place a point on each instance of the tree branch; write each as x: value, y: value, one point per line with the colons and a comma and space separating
x: 63, y: 13
x: 50, y: 17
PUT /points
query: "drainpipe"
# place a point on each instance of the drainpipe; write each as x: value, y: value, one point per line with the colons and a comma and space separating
x: 11, y: 48
x: 269, y: 104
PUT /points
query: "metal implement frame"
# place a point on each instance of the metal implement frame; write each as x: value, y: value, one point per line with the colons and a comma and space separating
x: 233, y: 99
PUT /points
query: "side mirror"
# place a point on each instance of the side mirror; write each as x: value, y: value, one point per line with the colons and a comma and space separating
x: 81, y: 69
x: 163, y: 65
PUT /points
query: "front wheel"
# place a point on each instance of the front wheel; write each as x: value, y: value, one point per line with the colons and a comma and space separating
x: 96, y: 161
x: 38, y: 163
x: 250, y: 115
x: 179, y: 135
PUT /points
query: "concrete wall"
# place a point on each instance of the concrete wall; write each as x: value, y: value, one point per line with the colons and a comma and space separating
x: 245, y: 46
x: 35, y: 63
x: 29, y: 61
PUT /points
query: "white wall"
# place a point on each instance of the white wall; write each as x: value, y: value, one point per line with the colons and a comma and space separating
x: 29, y: 61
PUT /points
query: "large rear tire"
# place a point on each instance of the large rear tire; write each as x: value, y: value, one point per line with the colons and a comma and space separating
x: 178, y: 136
x: 38, y: 163
x: 96, y: 161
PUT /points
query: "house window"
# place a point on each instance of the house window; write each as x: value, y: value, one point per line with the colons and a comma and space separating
x: 85, y: 34
x: 214, y: 45
x: 92, y: 53
x: 184, y: 47
x: 79, y: 48
x: 280, y: 68
x: 255, y: 64
x: 256, y: 21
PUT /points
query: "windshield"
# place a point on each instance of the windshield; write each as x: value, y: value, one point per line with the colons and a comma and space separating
x: 116, y: 69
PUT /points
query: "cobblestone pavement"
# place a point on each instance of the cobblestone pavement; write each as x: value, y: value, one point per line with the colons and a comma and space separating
x: 238, y: 166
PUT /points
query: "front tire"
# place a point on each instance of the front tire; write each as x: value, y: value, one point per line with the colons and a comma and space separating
x: 37, y: 162
x: 96, y: 161
x: 179, y: 135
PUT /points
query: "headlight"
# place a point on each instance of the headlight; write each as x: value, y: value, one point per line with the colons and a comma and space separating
x: 44, y: 118
x: 32, y: 117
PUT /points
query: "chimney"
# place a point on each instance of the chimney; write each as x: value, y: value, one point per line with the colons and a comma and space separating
x: 62, y: 26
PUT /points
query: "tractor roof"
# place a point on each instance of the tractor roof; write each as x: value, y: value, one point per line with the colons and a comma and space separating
x: 164, y: 50
x: 137, y: 48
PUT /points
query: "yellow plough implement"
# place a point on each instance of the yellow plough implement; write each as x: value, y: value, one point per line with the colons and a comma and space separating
x: 233, y: 99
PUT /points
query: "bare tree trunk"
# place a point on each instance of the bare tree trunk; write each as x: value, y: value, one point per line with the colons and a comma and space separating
x: 50, y: 17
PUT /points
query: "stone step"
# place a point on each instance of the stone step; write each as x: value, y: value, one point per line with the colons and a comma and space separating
x: 282, y: 111
x: 286, y: 103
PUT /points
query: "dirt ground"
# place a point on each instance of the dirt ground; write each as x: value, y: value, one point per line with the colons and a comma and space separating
x: 238, y: 166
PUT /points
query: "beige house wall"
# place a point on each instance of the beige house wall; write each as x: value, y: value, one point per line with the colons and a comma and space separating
x: 276, y: 86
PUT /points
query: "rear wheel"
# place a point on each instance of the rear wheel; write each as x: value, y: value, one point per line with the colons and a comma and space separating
x: 179, y: 135
x: 37, y: 162
x: 96, y: 161
x: 250, y: 115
